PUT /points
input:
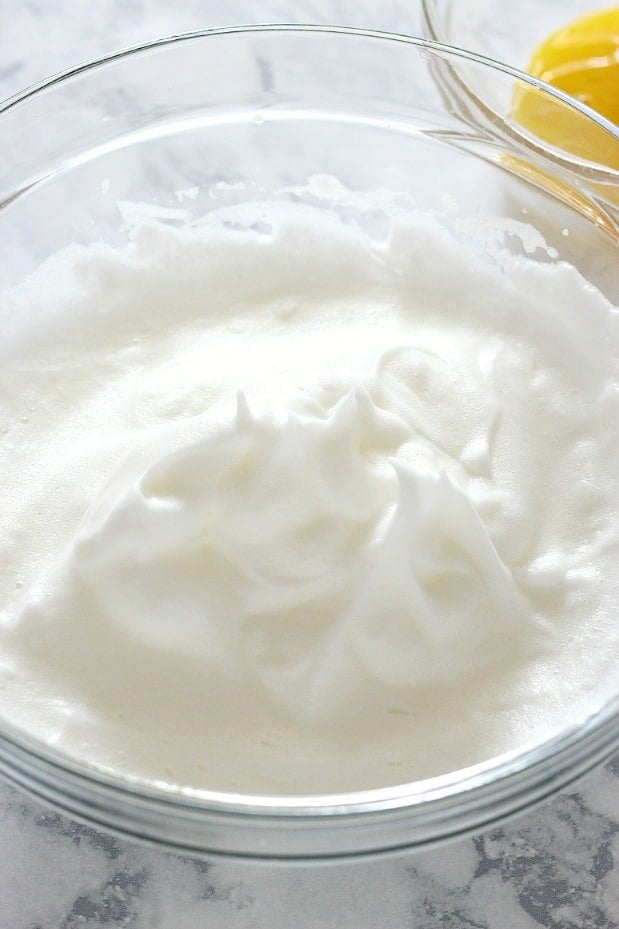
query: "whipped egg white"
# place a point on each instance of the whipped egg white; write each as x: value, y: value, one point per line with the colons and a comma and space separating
x: 289, y: 509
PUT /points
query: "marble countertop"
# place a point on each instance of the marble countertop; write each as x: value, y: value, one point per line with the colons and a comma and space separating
x: 554, y: 867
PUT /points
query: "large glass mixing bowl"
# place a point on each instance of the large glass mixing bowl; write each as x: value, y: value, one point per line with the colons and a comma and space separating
x: 187, y: 124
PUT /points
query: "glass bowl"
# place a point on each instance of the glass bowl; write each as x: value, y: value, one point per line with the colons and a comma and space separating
x: 252, y: 113
x: 505, y: 32
x: 509, y: 34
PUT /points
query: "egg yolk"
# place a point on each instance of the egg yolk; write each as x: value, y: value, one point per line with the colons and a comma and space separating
x: 581, y: 59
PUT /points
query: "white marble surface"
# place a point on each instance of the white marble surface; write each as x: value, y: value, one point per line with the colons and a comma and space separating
x: 555, y: 867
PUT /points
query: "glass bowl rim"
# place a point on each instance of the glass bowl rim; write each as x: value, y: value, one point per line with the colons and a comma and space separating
x: 420, y: 42
x: 541, y: 753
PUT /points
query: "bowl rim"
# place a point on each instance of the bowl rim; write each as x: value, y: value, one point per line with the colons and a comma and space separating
x: 451, y: 51
x: 395, y: 797
x: 314, y: 829
x: 509, y: 781
x: 435, y: 27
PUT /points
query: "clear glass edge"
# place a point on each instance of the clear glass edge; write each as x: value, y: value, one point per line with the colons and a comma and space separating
x: 543, y: 756
x: 278, y: 836
x: 420, y: 42
x: 604, y: 174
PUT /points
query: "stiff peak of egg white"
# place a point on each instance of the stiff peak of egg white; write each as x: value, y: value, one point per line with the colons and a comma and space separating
x: 284, y: 496
x: 299, y: 550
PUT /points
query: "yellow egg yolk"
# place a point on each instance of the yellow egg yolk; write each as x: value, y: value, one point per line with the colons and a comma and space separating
x: 581, y: 59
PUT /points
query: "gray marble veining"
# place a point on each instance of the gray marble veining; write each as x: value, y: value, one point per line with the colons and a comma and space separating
x: 553, y: 867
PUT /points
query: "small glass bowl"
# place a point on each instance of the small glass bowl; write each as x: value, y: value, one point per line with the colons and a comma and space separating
x: 509, y: 33
x: 506, y: 32
x: 253, y: 113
